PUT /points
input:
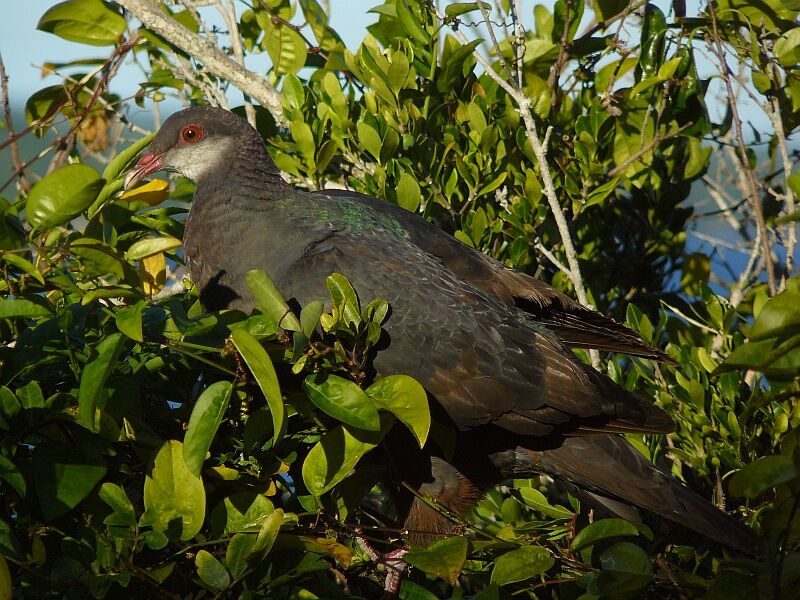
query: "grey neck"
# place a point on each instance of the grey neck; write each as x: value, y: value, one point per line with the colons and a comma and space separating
x: 249, y: 175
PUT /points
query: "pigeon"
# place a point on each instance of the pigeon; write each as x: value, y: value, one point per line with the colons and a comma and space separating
x: 491, y: 345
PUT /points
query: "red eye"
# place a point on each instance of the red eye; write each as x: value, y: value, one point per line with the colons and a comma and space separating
x: 192, y: 133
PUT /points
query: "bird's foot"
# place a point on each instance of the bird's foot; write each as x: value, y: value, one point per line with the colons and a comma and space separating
x: 391, y: 562
x: 395, y: 566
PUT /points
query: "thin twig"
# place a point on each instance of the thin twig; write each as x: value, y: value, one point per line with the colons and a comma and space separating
x: 236, y: 43
x: 755, y: 201
x: 24, y: 183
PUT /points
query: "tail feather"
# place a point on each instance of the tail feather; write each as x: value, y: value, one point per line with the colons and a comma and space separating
x: 608, y: 466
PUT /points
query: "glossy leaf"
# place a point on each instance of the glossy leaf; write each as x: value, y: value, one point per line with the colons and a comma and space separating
x: 211, y: 571
x: 601, y: 530
x: 406, y: 399
x: 268, y: 532
x: 444, y: 558
x: 286, y: 48
x: 62, y: 195
x: 151, y: 246
x: 174, y: 498
x: 118, y: 500
x: 334, y: 456
x: 239, y: 512
x: 21, y: 307
x: 262, y: 369
x: 129, y: 320
x: 521, y: 564
x: 64, y: 476
x: 270, y: 299
x: 207, y: 414
x: 95, y: 373
x: 343, y: 400
x: 90, y: 22
x: 762, y: 475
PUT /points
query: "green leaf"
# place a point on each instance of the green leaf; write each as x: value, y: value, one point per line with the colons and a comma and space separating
x: 91, y: 22
x: 239, y: 548
x: 601, y: 192
x: 293, y: 93
x: 174, y: 498
x: 605, y: 9
x: 239, y: 512
x: 271, y: 301
x: 344, y: 298
x: 405, y: 398
x: 408, y: 192
x: 151, y: 246
x: 12, y: 476
x: 15, y: 260
x: 309, y: 317
x: 285, y: 47
x: 63, y: 476
x: 30, y: 395
x: 211, y: 571
x: 444, y: 558
x: 334, y: 456
x: 780, y: 315
x: 268, y: 532
x: 536, y: 500
x: 343, y: 400
x: 762, y: 475
x: 521, y: 564
x: 626, y: 570
x: 263, y: 370
x: 99, y: 259
x: 778, y: 357
x: 456, y: 9
x: 601, y: 530
x: 93, y: 379
x: 411, y: 24
x: 20, y: 307
x: 204, y: 421
x: 125, y: 159
x: 129, y: 320
x: 369, y: 139
x: 62, y: 195
x: 304, y: 138
x: 117, y: 499
x: 398, y: 72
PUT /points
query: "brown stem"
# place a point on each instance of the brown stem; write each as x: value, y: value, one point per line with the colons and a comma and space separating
x: 15, y: 159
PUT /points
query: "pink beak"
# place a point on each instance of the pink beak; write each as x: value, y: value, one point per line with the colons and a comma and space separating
x: 148, y: 163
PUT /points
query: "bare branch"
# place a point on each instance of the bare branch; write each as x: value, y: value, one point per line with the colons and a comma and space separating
x: 212, y: 57
x: 238, y: 52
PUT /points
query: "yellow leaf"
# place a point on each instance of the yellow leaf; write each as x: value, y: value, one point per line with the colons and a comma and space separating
x: 153, y: 192
x: 153, y: 273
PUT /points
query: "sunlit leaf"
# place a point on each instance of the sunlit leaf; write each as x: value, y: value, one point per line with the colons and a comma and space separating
x: 204, y: 421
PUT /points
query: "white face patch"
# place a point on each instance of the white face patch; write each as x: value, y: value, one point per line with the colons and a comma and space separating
x: 194, y: 160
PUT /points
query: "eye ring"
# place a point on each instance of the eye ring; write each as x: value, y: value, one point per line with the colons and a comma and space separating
x: 192, y: 133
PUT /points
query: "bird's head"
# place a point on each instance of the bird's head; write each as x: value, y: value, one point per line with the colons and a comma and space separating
x: 194, y: 142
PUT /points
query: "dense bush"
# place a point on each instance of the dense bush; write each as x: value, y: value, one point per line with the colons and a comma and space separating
x: 149, y: 448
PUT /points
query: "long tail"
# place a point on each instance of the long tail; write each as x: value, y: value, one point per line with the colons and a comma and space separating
x: 609, y: 466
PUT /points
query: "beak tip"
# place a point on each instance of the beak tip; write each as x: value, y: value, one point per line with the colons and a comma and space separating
x: 131, y: 178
